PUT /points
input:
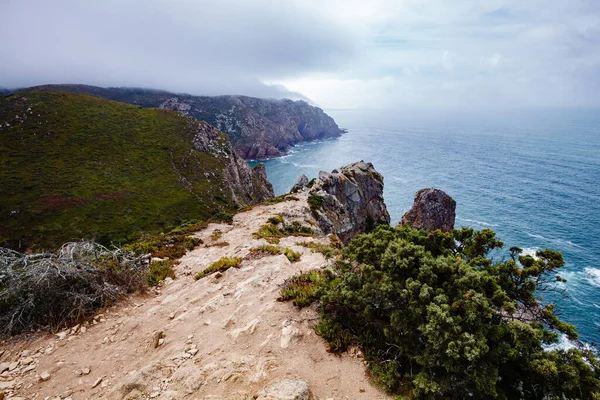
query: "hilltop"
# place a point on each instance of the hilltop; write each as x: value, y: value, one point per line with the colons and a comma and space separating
x: 74, y: 166
x: 258, y: 128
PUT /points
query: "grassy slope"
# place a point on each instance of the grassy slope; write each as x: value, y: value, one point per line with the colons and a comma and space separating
x: 81, y: 166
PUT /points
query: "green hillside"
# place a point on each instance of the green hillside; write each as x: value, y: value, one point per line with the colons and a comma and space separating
x: 74, y: 166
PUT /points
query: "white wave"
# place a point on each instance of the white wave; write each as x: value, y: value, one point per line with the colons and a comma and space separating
x: 530, y: 251
x: 592, y: 275
x: 479, y: 222
x: 565, y: 344
x: 304, y: 165
x: 556, y: 241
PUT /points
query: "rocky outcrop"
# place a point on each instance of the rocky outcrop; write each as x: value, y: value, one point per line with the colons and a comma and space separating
x: 433, y: 209
x: 300, y: 183
x: 349, y: 201
x: 246, y: 185
x: 258, y: 128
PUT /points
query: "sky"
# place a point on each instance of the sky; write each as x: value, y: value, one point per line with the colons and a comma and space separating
x: 339, y: 54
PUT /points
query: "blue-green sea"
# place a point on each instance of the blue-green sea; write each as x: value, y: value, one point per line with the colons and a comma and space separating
x: 532, y: 176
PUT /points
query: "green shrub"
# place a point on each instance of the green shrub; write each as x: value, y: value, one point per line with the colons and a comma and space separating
x: 435, y: 317
x: 295, y: 228
x: 160, y: 270
x: 216, y: 235
x: 305, y: 288
x: 315, y: 202
x: 269, y: 232
x: 327, y: 251
x: 275, y: 220
x: 222, y: 264
x: 274, y: 250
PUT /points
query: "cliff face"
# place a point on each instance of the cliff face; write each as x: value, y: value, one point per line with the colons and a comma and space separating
x: 349, y: 201
x: 75, y: 166
x: 258, y: 128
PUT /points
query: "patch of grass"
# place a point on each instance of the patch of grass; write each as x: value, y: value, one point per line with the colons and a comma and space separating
x: 335, y: 241
x: 295, y: 228
x: 270, y: 233
x: 222, y: 216
x: 222, y: 264
x: 257, y: 252
x: 216, y: 235
x: 160, y: 270
x: 327, y: 251
x: 315, y: 202
x: 305, y: 288
x: 170, y: 245
x: 75, y: 166
x: 275, y: 220
x: 311, y: 183
x: 217, y: 244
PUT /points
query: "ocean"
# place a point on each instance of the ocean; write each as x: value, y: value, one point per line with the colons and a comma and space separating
x: 531, y: 176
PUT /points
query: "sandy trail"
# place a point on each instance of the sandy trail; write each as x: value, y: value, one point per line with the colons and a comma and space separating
x: 222, y: 338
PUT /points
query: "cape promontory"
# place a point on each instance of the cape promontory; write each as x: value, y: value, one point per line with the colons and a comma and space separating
x: 258, y: 128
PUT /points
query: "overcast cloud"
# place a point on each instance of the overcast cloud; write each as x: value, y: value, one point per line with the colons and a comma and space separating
x: 338, y: 53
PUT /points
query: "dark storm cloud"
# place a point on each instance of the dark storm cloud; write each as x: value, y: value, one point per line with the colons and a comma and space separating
x: 205, y: 46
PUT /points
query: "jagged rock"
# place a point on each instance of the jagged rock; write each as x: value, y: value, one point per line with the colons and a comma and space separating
x: 433, y: 209
x: 300, y: 183
x: 349, y: 201
x: 286, y: 389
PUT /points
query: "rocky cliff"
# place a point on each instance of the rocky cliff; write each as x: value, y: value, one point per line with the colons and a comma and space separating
x: 432, y: 209
x: 75, y: 166
x: 258, y: 128
x: 349, y: 201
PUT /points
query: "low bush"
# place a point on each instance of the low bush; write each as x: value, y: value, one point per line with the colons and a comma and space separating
x: 315, y: 202
x: 269, y: 232
x: 327, y: 251
x: 265, y: 250
x: 305, y: 288
x: 55, y: 290
x: 222, y: 264
x: 160, y: 270
x: 216, y: 235
x: 436, y: 316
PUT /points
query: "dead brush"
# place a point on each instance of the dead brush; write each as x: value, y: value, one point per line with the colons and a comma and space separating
x: 48, y: 290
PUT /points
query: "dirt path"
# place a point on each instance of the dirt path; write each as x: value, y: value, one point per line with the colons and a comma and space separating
x: 220, y: 338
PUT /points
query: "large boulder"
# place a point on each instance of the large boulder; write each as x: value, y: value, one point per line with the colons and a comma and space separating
x: 349, y: 201
x: 433, y: 209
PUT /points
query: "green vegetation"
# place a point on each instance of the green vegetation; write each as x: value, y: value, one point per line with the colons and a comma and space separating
x: 160, y: 270
x: 172, y: 245
x: 436, y: 317
x: 222, y: 264
x: 327, y: 251
x: 275, y: 220
x: 305, y: 288
x: 216, y: 235
x: 269, y: 232
x: 75, y: 166
x: 266, y: 250
x: 315, y: 202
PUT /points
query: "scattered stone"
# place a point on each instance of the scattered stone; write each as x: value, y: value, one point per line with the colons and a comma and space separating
x: 62, y: 335
x: 432, y: 209
x: 97, y: 382
x: 45, y: 376
x: 362, y: 390
x: 26, y: 361
x: 286, y: 389
x: 158, y: 336
x: 85, y: 371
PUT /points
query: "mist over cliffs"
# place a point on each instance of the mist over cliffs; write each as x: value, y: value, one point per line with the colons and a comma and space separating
x: 258, y: 128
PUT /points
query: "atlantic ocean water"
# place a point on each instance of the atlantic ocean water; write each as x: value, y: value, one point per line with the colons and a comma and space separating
x: 532, y: 176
